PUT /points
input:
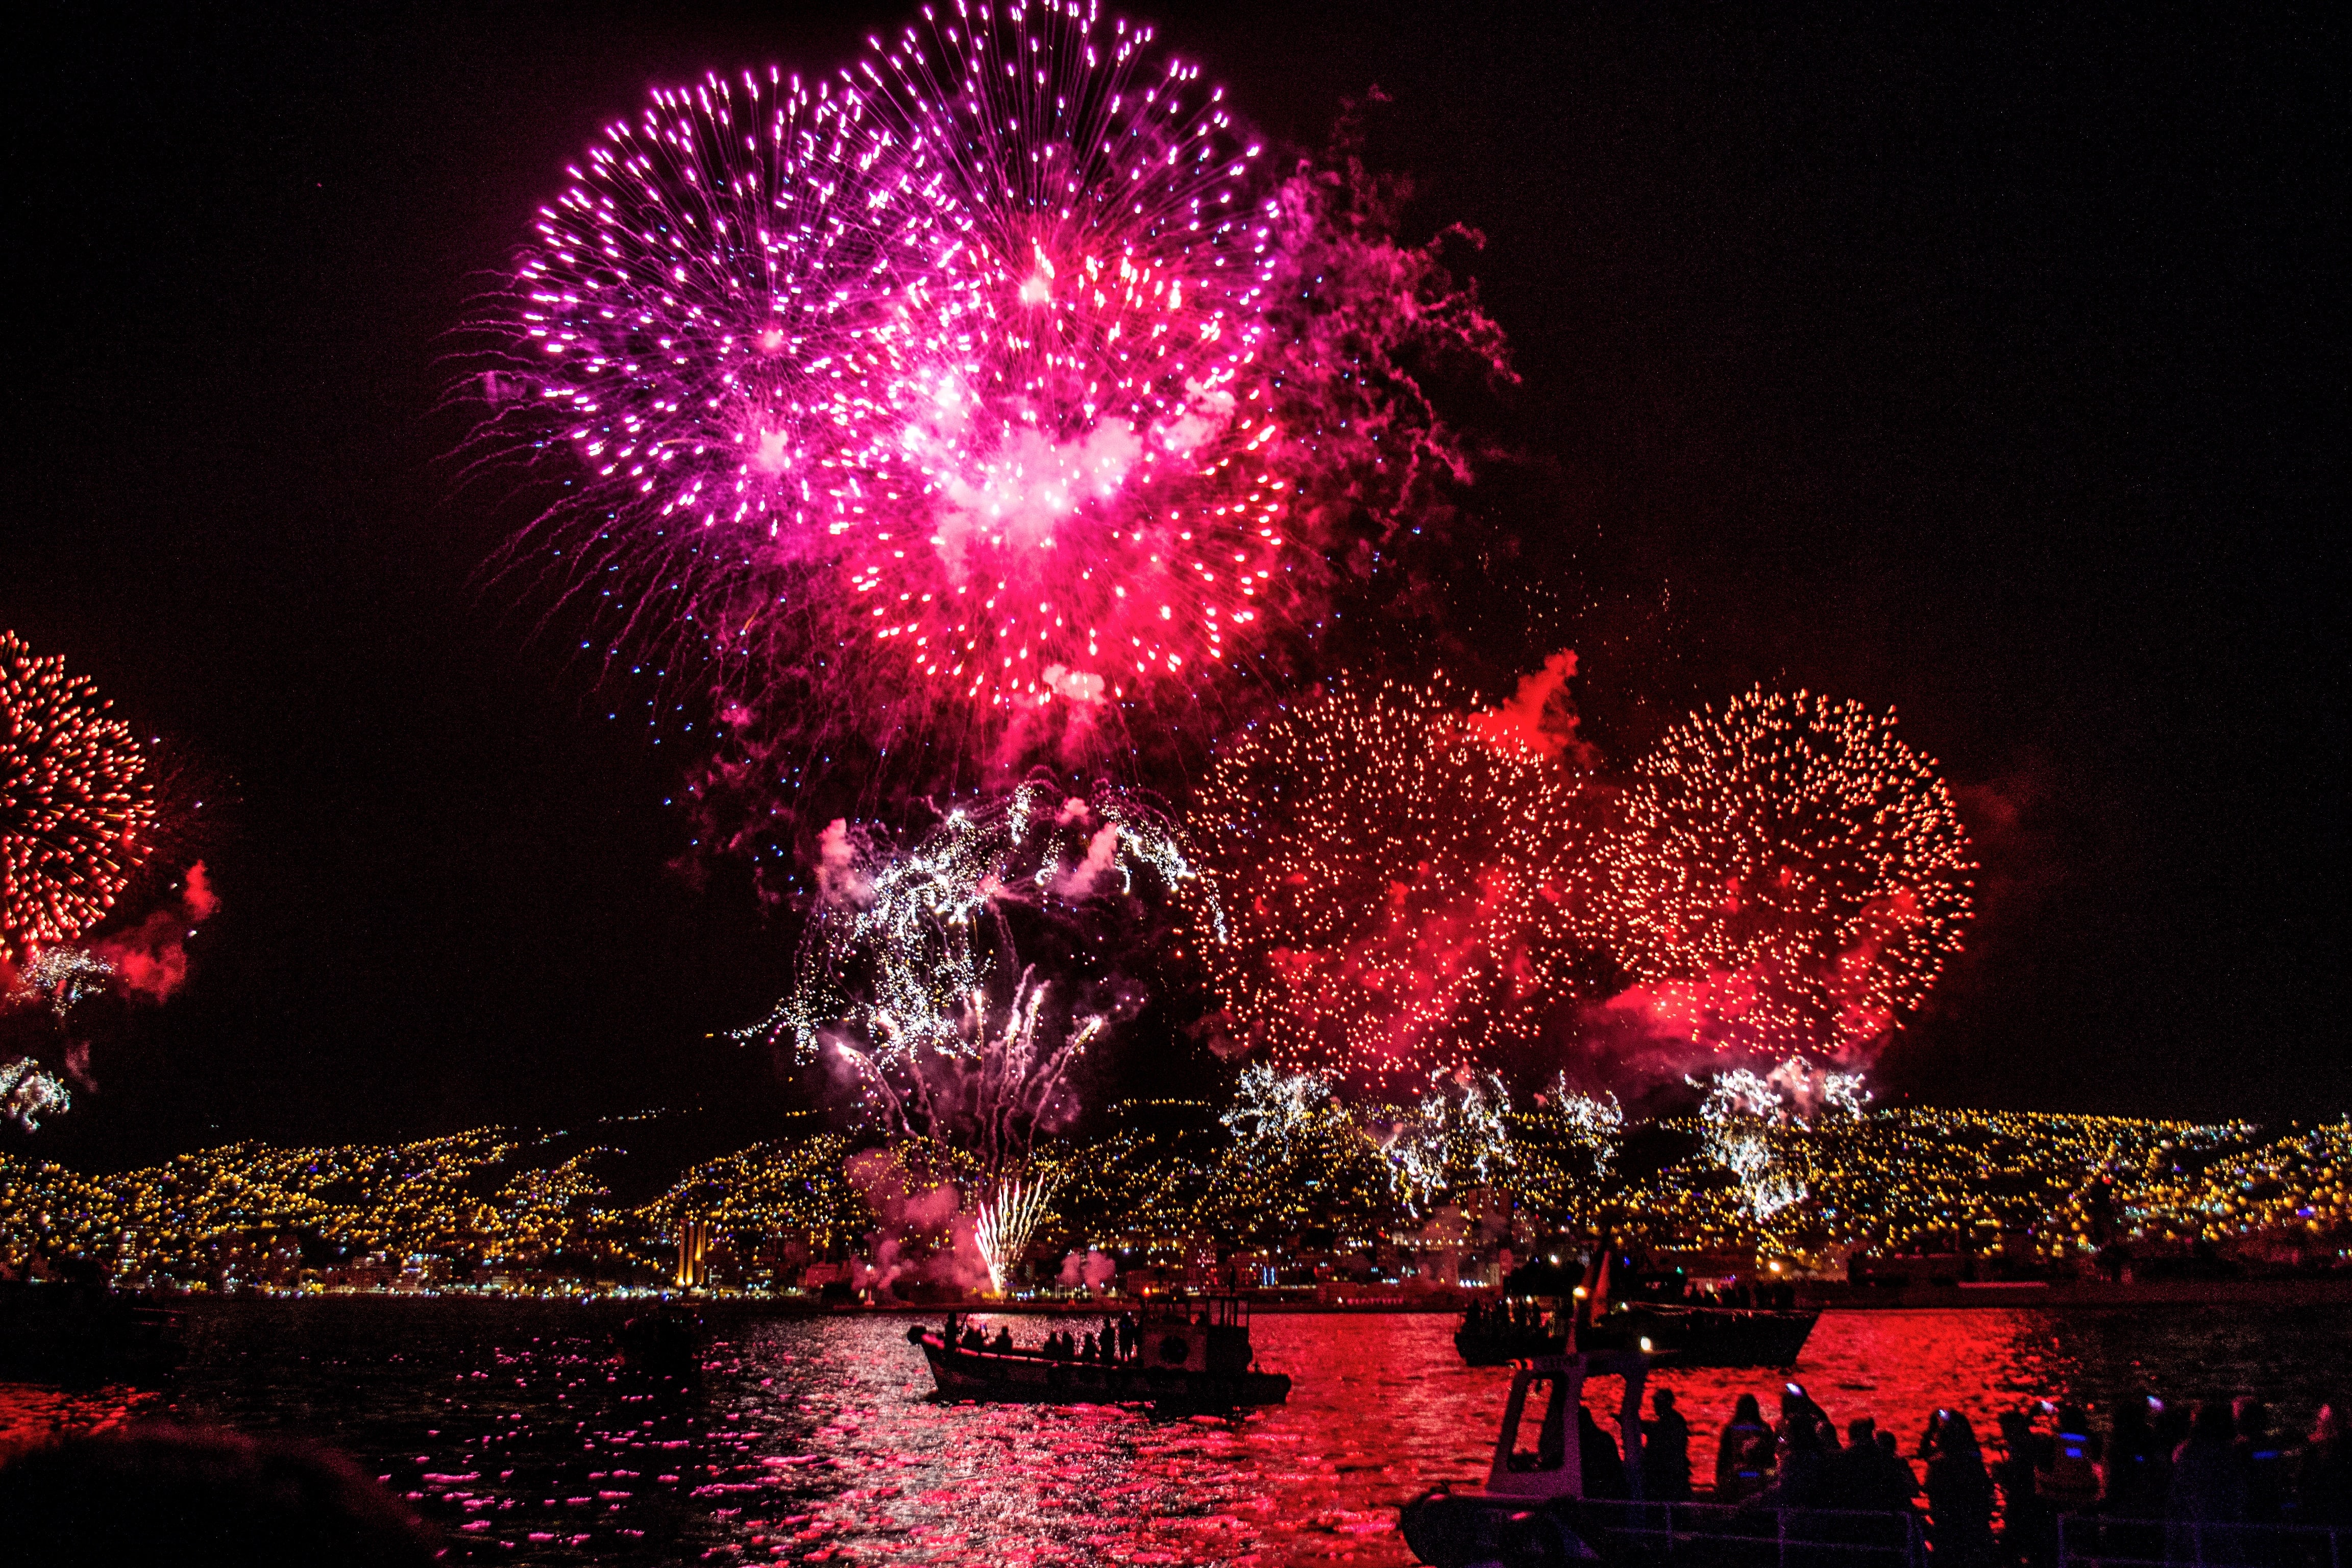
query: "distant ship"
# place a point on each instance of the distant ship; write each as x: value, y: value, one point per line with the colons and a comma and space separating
x: 1687, y: 1336
x: 1545, y: 1312
x: 82, y: 1333
x: 1190, y: 1355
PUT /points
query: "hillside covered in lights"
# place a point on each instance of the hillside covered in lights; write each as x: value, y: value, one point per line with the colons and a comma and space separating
x: 1300, y: 1195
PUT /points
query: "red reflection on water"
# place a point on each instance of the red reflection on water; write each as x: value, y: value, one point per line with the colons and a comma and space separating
x: 817, y: 1440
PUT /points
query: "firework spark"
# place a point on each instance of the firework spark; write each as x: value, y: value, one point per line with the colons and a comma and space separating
x: 1790, y: 876
x: 911, y: 978
x: 1395, y: 892
x: 74, y: 812
x: 1455, y: 1135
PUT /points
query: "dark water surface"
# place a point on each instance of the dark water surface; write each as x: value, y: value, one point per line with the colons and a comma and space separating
x: 817, y: 1440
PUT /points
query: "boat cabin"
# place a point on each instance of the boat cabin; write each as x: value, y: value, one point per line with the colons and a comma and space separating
x: 1536, y: 1454
x: 1208, y: 1336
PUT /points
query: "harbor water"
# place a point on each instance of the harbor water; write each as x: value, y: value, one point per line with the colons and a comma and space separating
x: 818, y: 1439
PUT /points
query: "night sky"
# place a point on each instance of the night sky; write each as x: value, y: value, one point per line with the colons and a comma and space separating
x: 1975, y: 364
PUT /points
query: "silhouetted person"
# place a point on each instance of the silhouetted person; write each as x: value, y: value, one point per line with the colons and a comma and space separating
x: 1897, y: 1484
x: 2262, y: 1463
x: 2207, y: 1488
x: 1003, y: 1345
x: 1850, y: 1478
x: 171, y: 1495
x: 2131, y: 1483
x: 1743, y: 1453
x: 2324, y: 1480
x: 2067, y: 1474
x: 2028, y: 1526
x: 1600, y: 1463
x: 1805, y: 1460
x: 1665, y: 1452
x: 1959, y: 1493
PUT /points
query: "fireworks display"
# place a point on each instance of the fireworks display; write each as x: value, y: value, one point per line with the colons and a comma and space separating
x: 75, y: 811
x: 28, y: 1092
x: 1790, y: 876
x: 1394, y: 890
x: 1005, y: 1221
x: 911, y: 979
x: 943, y: 373
x: 993, y: 393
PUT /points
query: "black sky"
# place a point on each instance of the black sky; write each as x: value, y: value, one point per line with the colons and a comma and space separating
x: 1981, y: 363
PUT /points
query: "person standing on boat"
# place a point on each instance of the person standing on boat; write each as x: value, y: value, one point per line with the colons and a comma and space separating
x: 2208, y: 1487
x: 1665, y: 1452
x: 2324, y: 1480
x: 1898, y: 1486
x: 1601, y: 1466
x: 1851, y: 1478
x: 2028, y: 1526
x: 2261, y: 1462
x: 2131, y: 1481
x: 1959, y: 1493
x: 1743, y: 1453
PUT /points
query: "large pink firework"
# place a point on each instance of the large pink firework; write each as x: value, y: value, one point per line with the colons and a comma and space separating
x: 944, y: 376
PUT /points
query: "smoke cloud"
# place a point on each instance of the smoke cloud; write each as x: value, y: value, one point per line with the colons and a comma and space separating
x: 152, y: 959
x: 1540, y: 718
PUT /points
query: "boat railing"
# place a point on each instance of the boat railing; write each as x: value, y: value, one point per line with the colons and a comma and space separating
x: 2104, y: 1541
x: 1720, y: 1535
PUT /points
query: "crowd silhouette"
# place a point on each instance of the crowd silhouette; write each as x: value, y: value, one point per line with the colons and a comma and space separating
x: 2166, y: 1468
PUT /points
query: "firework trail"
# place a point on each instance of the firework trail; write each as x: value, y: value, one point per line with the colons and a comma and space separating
x: 1394, y: 890
x: 1005, y: 1221
x: 75, y: 811
x: 1789, y: 876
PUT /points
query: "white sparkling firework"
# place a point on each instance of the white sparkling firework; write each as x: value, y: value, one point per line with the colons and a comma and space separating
x: 28, y: 1092
x: 1457, y: 1130
x: 1005, y: 1222
x: 61, y: 977
x: 1742, y: 1109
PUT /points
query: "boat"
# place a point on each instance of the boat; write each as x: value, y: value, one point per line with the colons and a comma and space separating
x: 1692, y: 1336
x: 1705, y: 1336
x: 1513, y: 1519
x: 1545, y: 1311
x: 1188, y: 1356
x: 84, y: 1334
x: 1569, y: 1494
x: 663, y: 1343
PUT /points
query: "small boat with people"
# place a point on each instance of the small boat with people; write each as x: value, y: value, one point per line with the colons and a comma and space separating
x: 1545, y: 1312
x: 1194, y: 1356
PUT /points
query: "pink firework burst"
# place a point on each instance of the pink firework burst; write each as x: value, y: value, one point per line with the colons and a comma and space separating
x: 943, y: 378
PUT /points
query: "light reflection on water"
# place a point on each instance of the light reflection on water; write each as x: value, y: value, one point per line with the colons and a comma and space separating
x: 815, y: 1441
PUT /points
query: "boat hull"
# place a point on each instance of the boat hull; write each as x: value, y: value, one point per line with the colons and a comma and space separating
x: 1455, y: 1530
x: 1023, y: 1378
